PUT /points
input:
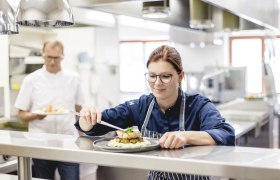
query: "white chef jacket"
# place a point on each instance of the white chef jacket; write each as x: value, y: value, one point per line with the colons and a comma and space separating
x: 40, y: 89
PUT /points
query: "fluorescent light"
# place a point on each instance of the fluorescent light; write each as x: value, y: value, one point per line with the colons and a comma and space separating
x: 202, y: 44
x: 218, y: 42
x: 192, y: 45
x: 145, y: 24
x: 89, y: 16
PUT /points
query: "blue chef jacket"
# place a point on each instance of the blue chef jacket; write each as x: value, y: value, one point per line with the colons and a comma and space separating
x: 200, y: 115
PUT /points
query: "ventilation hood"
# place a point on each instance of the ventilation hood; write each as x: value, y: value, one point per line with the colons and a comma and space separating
x: 252, y: 13
x: 179, y: 13
x: 261, y: 12
x: 179, y: 18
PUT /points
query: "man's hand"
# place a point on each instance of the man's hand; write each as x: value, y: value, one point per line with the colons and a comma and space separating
x: 27, y: 116
x: 39, y: 117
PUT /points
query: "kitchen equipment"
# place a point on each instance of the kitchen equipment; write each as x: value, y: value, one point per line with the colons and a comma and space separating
x: 51, y: 13
x: 224, y: 84
x: 17, y: 66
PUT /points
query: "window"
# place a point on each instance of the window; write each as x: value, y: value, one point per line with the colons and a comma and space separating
x: 275, y: 63
x: 248, y: 52
x: 133, y: 58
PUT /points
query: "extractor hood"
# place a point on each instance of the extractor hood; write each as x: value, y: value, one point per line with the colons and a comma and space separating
x: 261, y: 12
x: 179, y: 18
x: 179, y: 10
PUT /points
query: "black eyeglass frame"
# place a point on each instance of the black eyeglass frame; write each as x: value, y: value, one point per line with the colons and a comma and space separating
x: 160, y: 77
x: 55, y: 58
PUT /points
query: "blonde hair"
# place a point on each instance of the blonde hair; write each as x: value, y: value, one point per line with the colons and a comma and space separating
x: 54, y: 44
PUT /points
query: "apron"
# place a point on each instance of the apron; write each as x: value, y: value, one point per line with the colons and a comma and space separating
x: 158, y: 175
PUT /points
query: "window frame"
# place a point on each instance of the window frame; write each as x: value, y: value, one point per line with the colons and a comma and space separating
x: 232, y: 38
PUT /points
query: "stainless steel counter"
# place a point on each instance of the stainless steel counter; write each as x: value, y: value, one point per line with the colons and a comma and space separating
x: 12, y: 177
x: 246, y: 115
x: 223, y: 161
x: 9, y: 166
x: 242, y: 127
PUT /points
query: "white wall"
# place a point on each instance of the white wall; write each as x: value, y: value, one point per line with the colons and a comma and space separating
x: 4, y: 72
x: 196, y: 59
x: 106, y: 83
x: 30, y: 37
x: 78, y: 40
x: 133, y: 33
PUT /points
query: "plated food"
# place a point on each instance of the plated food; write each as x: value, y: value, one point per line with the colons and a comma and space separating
x: 253, y: 98
x: 128, y: 139
x: 50, y: 110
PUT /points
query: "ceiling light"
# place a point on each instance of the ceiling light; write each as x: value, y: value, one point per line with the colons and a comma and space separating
x: 192, y: 45
x: 156, y: 9
x: 45, y: 13
x: 202, y: 44
x: 8, y: 24
x: 141, y: 23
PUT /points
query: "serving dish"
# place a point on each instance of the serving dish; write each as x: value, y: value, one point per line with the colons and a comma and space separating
x: 101, y: 145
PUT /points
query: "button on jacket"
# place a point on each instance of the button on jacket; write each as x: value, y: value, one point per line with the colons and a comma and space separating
x: 200, y: 115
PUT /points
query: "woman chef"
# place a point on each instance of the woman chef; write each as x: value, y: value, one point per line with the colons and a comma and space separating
x: 171, y: 115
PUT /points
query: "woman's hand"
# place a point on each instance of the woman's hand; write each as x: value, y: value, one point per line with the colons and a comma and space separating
x: 89, y: 117
x: 177, y: 139
x: 173, y: 140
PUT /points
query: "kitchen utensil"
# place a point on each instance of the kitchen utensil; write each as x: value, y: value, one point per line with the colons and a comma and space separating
x: 103, y: 122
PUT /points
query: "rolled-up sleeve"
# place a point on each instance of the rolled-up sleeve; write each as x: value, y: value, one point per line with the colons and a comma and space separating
x: 119, y: 116
x: 214, y: 124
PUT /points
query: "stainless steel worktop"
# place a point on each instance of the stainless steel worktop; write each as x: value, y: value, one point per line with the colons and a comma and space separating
x: 246, y: 115
x: 12, y: 177
x: 235, y: 162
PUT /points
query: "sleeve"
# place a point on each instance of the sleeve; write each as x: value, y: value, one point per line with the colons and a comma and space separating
x: 24, y: 98
x: 120, y: 116
x: 214, y: 124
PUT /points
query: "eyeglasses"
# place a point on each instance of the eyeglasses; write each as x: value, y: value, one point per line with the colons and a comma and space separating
x: 164, y: 78
x: 55, y: 58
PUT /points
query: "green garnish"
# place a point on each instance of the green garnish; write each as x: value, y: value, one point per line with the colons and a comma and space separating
x: 128, y: 130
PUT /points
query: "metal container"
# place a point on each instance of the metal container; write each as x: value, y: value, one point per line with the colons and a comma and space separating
x: 17, y: 66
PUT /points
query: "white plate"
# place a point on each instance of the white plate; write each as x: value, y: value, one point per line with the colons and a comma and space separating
x: 101, y: 145
x: 60, y: 112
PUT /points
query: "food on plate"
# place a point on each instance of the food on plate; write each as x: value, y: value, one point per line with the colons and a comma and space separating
x: 51, y: 109
x: 128, y: 139
x: 253, y: 98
